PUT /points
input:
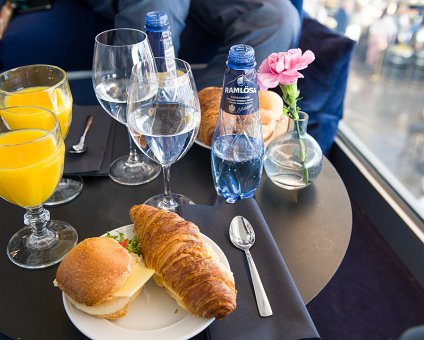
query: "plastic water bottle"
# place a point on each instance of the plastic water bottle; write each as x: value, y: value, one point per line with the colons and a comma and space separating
x: 237, y: 144
x: 160, y: 38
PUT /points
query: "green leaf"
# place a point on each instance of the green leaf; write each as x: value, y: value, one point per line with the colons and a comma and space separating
x: 111, y: 236
x: 133, y: 246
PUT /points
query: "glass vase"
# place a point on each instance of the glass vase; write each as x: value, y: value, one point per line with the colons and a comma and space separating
x: 293, y: 160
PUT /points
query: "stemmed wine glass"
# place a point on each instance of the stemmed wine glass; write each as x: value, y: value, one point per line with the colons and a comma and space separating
x: 115, y: 53
x: 32, y: 154
x: 44, y: 86
x: 163, y: 118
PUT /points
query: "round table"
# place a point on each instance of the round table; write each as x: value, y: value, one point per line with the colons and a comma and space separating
x: 312, y: 228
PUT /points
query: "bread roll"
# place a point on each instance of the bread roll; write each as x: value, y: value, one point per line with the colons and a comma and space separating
x: 183, y: 263
x: 270, y: 109
x: 101, y: 278
x: 270, y: 106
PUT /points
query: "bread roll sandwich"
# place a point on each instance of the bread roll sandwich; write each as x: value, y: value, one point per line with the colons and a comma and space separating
x: 100, y: 277
x: 270, y: 109
x: 184, y: 264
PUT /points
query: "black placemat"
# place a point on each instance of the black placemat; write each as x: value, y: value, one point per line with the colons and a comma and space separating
x: 290, y: 319
x: 90, y: 162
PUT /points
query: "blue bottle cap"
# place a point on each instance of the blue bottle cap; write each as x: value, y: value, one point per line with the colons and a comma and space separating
x: 157, y: 21
x: 241, y: 57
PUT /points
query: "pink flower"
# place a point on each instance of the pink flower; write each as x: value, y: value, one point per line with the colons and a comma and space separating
x: 282, y: 68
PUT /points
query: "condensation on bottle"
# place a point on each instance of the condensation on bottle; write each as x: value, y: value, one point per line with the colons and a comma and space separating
x: 237, y: 144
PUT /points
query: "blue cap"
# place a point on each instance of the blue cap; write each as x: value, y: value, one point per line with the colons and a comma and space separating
x: 241, y: 56
x: 157, y: 21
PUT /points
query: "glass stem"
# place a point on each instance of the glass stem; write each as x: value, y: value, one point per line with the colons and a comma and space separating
x: 133, y: 157
x: 41, y: 237
x: 167, y: 182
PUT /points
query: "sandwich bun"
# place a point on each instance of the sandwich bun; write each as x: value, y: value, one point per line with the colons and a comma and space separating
x: 101, y: 278
x: 270, y: 109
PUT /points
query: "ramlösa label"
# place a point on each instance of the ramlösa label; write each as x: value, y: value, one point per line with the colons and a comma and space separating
x: 239, y: 94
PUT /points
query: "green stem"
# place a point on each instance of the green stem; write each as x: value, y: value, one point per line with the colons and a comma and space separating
x: 290, y: 97
x: 302, y: 153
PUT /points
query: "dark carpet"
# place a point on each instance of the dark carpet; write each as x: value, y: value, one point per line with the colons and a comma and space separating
x: 372, y: 295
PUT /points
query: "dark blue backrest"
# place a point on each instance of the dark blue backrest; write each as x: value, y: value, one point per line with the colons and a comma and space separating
x: 324, y: 86
x: 63, y: 36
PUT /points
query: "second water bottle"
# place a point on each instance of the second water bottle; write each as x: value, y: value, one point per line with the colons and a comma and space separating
x: 237, y: 144
x: 160, y: 38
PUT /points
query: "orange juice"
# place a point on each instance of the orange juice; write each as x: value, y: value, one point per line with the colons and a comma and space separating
x: 31, y: 165
x: 54, y: 100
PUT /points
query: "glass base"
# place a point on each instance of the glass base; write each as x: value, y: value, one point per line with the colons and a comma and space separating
x: 293, y: 161
x: 126, y: 173
x: 66, y: 191
x: 29, y: 251
x: 290, y: 182
x: 163, y: 202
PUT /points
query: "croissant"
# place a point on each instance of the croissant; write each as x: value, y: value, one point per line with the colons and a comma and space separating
x: 184, y: 264
x: 209, y: 98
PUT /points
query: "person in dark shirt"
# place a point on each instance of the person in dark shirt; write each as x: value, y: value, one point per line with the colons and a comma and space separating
x: 266, y: 25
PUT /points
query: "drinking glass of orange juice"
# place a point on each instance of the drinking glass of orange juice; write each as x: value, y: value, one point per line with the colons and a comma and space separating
x: 32, y: 153
x: 45, y: 86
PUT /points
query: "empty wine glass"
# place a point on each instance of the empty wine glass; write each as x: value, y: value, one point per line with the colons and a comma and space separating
x: 32, y: 154
x: 163, y: 118
x: 44, y: 86
x: 115, y: 53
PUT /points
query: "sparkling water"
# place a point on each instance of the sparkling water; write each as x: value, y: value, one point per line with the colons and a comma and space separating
x: 236, y: 166
x: 164, y: 131
x: 112, y: 95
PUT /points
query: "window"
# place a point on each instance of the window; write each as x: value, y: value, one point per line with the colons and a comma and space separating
x: 384, y: 103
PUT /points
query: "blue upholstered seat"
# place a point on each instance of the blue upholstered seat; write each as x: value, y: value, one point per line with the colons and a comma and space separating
x: 64, y: 36
x: 324, y: 86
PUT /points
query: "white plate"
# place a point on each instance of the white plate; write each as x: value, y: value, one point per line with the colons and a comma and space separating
x: 198, y: 142
x: 153, y: 315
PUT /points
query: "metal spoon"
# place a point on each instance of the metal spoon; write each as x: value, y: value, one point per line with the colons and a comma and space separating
x: 81, y: 147
x: 242, y: 236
